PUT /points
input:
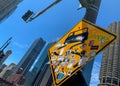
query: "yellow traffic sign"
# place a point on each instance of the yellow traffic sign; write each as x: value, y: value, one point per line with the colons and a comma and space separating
x: 76, y: 48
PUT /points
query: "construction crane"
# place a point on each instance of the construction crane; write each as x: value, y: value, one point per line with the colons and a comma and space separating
x: 3, y: 48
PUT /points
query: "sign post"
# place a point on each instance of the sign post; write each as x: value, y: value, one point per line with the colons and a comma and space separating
x: 76, y: 49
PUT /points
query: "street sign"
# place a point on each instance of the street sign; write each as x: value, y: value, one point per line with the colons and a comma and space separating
x: 76, y: 48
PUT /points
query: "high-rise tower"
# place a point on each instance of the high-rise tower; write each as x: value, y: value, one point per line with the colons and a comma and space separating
x: 110, y: 67
x: 43, y: 59
x: 31, y: 55
x: 7, y: 7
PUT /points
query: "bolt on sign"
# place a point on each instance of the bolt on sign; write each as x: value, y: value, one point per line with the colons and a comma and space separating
x: 76, y: 48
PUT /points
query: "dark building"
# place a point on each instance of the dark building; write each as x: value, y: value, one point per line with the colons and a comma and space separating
x: 5, y: 83
x: 38, y: 66
x: 31, y: 55
x: 110, y: 67
x: 7, y: 7
x: 44, y: 77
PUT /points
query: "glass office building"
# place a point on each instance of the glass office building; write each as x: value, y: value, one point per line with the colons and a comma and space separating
x: 7, y: 7
x: 43, y: 59
x: 31, y: 55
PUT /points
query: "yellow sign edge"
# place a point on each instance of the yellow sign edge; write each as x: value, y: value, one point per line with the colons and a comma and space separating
x: 111, y: 42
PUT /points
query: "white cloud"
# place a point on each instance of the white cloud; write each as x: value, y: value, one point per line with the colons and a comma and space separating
x: 56, y: 39
x: 20, y: 45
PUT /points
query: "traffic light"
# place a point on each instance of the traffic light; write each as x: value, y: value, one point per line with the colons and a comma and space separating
x: 27, y: 15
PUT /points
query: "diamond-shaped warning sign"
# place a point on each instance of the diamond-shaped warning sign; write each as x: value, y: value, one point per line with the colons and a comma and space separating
x: 76, y: 48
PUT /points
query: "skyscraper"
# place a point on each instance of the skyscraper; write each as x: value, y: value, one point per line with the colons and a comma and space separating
x: 31, y: 55
x: 110, y: 67
x: 7, y: 7
x: 44, y: 77
x: 42, y: 60
x: 38, y: 66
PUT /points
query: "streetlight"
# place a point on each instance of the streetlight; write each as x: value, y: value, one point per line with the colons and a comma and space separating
x: 30, y: 15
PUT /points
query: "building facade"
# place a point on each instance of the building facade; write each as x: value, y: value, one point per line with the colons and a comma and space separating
x: 5, y: 83
x: 44, y: 77
x: 2, y: 67
x: 31, y: 55
x: 7, y: 71
x: 7, y: 7
x: 110, y: 67
x: 17, y: 79
x: 43, y: 59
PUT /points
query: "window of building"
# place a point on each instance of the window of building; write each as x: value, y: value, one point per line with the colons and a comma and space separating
x: 115, y: 81
x: 103, y: 79
x: 108, y: 80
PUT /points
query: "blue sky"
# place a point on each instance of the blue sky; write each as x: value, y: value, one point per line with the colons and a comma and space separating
x: 51, y: 25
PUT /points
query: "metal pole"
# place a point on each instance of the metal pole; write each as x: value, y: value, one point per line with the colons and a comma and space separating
x: 41, y: 12
x: 92, y: 8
